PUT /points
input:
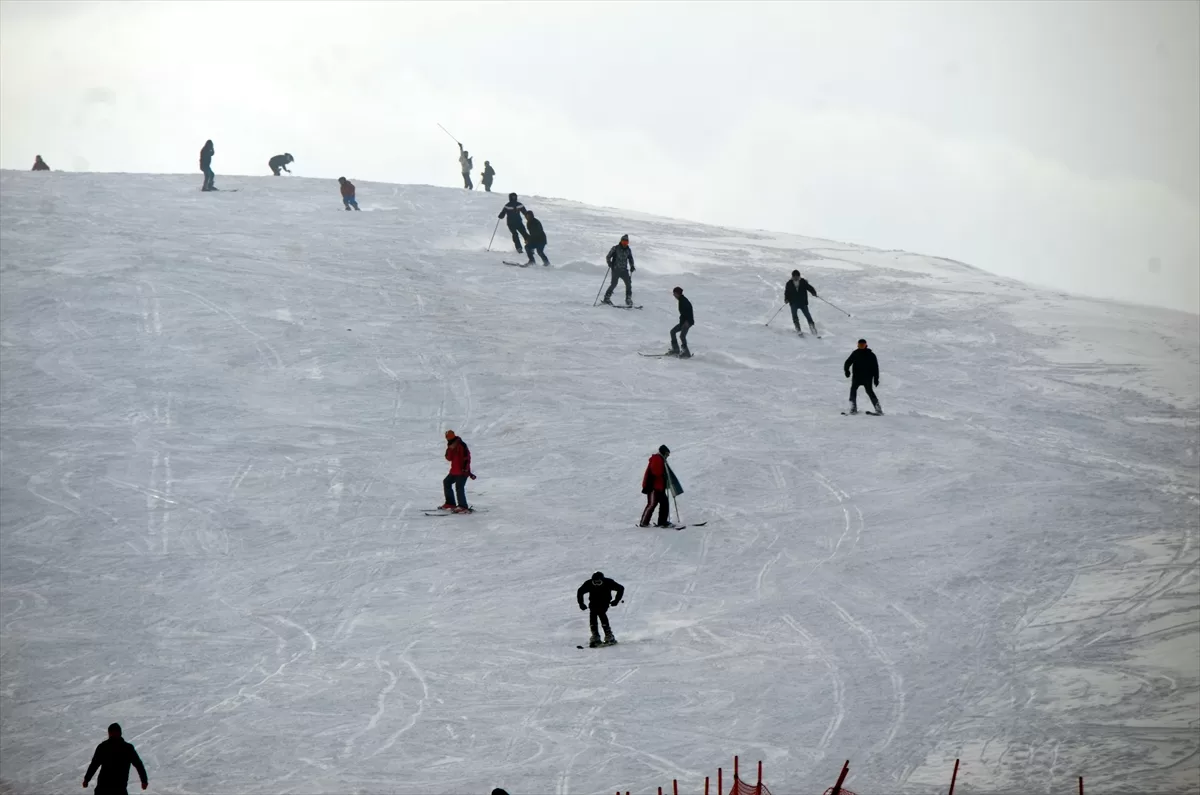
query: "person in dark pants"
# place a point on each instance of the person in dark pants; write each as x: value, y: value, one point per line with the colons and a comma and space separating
x: 513, y: 212
x: 489, y: 174
x: 686, y: 321
x: 464, y: 160
x: 39, y: 164
x: 866, y: 372
x: 206, y: 156
x: 537, y: 238
x: 455, y: 483
x: 113, y: 758
x: 654, y: 486
x: 280, y: 162
x: 795, y: 294
x: 347, y: 188
x: 599, y: 590
x: 620, y: 261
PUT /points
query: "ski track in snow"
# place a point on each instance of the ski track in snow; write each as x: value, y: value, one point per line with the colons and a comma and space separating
x: 214, y: 448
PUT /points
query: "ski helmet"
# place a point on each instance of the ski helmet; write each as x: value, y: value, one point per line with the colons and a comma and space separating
x: 512, y: 197
x: 597, y: 576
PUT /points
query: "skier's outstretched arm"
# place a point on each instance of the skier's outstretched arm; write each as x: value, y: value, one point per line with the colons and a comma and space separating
x: 140, y: 768
x: 810, y: 288
x: 620, y: 593
x: 93, y: 767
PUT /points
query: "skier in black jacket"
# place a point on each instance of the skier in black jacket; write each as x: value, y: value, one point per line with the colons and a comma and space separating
x: 489, y: 174
x: 113, y: 758
x: 513, y: 210
x: 280, y: 162
x: 795, y: 295
x: 537, y: 238
x: 620, y: 261
x: 866, y: 372
x: 206, y: 156
x: 686, y: 321
x: 599, y: 590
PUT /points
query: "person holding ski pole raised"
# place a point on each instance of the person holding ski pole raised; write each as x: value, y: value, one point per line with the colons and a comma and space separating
x: 795, y: 295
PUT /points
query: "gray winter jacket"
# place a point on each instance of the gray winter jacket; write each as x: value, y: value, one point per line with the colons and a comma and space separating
x: 620, y: 258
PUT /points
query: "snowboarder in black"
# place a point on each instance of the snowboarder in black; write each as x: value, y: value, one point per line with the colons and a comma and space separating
x: 513, y: 211
x: 866, y: 373
x: 600, y: 591
x: 620, y: 261
x: 113, y: 758
x: 464, y: 160
x: 206, y: 156
x: 280, y: 162
x: 537, y: 238
x: 489, y: 174
x: 686, y: 321
x: 795, y: 295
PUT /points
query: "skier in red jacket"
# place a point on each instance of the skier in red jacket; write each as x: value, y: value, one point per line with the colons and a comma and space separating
x: 459, y: 456
x: 654, y: 486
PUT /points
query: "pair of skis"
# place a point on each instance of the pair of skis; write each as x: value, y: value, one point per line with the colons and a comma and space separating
x: 868, y: 413
x: 444, y: 512
x: 522, y: 264
x: 673, y: 526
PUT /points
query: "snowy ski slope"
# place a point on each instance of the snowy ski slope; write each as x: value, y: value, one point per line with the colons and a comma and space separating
x: 222, y: 414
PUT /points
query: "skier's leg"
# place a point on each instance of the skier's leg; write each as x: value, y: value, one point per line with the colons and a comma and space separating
x: 354, y: 203
x: 447, y: 491
x: 460, y: 487
x: 612, y: 285
x: 808, y: 317
x: 871, y: 395
x: 608, y: 633
x: 854, y: 395
x: 795, y: 319
x: 674, y: 341
x: 683, y: 337
x: 628, y: 287
x: 516, y: 236
x: 592, y: 619
x: 664, y: 507
x: 648, y: 513
x: 542, y: 254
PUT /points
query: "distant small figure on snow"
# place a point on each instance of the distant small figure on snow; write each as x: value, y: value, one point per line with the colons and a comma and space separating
x: 686, y: 321
x: 347, y: 193
x: 654, y: 486
x: 795, y: 295
x: 280, y: 162
x: 455, y: 484
x: 620, y: 262
x: 206, y: 156
x: 498, y: 791
x: 866, y: 372
x: 513, y: 212
x: 537, y: 238
x: 464, y: 160
x: 113, y: 758
x: 39, y: 164
x: 599, y: 590
x: 489, y: 174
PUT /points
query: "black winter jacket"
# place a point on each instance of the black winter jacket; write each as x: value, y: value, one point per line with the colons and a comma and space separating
x: 866, y: 366
x: 685, y: 311
x: 537, y: 235
x: 600, y: 596
x: 797, y: 294
x: 113, y: 758
x: 206, y: 155
x: 514, y: 211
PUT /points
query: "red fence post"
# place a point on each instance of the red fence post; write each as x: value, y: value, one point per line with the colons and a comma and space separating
x: 720, y: 790
x: 953, y: 777
x: 706, y: 785
x: 1081, y: 785
x: 735, y: 771
x: 675, y: 786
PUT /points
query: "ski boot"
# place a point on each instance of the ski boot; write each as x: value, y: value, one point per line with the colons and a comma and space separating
x: 854, y: 409
x: 672, y: 352
x: 606, y: 300
x: 686, y: 354
x: 878, y: 410
x: 609, y: 639
x: 461, y: 509
x: 446, y: 507
x: 628, y: 301
x: 594, y: 642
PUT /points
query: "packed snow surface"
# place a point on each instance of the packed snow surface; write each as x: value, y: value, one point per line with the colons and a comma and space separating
x: 223, y: 414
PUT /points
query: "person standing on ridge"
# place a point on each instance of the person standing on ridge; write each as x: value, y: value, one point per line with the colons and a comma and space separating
x: 537, y: 238
x: 513, y: 212
x: 459, y: 456
x: 599, y: 590
x: 686, y: 321
x: 347, y: 188
x: 620, y: 262
x: 866, y: 372
x: 280, y: 162
x: 39, y: 164
x: 464, y: 160
x: 795, y: 295
x: 113, y: 758
x: 489, y: 174
x: 654, y: 486
x: 206, y: 156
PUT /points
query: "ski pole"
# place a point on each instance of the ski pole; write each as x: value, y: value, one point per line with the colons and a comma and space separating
x: 838, y: 308
x: 493, y: 240
x: 777, y: 311
x: 448, y: 133
x: 602, y: 278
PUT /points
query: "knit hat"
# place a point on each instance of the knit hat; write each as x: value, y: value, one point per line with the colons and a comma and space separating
x: 449, y: 434
x: 597, y: 575
x: 625, y: 238
x: 662, y: 448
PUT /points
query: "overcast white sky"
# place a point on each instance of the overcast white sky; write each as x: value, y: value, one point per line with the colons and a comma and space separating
x: 1056, y: 142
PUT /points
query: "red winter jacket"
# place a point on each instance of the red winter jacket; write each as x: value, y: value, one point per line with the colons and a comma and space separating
x: 347, y: 188
x: 655, y: 478
x: 459, y: 457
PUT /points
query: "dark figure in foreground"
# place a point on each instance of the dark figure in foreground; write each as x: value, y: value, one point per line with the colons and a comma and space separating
x: 280, y: 162
x: 113, y: 758
x: 686, y: 321
x: 489, y: 174
x: 498, y: 791
x: 795, y: 294
x: 600, y: 591
x: 654, y: 486
x: 464, y: 160
x: 206, y: 156
x: 620, y: 262
x: 39, y: 164
x: 513, y: 212
x: 537, y: 238
x: 866, y: 373
x: 347, y: 193
x: 455, y: 484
